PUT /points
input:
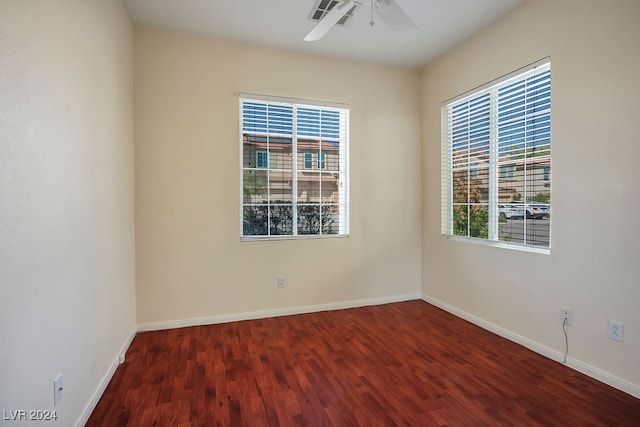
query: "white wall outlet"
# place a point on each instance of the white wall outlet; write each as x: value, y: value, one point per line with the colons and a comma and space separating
x: 121, y: 358
x: 282, y: 282
x: 57, y: 389
x: 615, y: 330
x: 566, y: 315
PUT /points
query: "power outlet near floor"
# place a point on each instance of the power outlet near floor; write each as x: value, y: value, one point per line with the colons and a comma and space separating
x: 566, y: 316
x: 615, y: 330
x: 282, y: 282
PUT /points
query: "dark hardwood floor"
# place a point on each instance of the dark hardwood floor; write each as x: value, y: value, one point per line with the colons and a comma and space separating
x: 406, y: 363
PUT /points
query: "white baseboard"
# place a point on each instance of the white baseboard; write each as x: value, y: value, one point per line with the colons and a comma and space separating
x: 105, y: 381
x: 593, y: 372
x: 263, y: 314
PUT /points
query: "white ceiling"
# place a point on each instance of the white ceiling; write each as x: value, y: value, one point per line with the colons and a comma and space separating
x: 283, y: 24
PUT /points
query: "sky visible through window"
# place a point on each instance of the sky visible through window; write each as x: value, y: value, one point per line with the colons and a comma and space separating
x: 522, y: 121
x: 274, y: 119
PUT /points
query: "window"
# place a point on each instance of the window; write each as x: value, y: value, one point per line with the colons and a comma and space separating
x: 322, y: 161
x: 262, y: 159
x: 506, y: 171
x: 496, y: 160
x: 284, y: 193
x: 308, y: 160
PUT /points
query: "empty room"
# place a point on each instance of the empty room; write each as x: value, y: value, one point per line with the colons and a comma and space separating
x: 319, y: 212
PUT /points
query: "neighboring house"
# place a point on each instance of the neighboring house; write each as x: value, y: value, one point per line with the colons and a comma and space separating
x: 317, y: 166
x: 511, y: 181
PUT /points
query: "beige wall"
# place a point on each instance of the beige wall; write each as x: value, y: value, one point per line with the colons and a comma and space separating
x: 68, y: 302
x: 67, y: 290
x: 190, y: 261
x: 594, y: 264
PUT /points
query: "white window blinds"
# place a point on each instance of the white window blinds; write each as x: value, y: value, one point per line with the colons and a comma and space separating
x: 284, y: 192
x: 496, y: 160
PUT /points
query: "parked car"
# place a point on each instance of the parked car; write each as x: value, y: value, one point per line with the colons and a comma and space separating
x: 510, y: 211
x: 518, y: 210
x: 537, y: 210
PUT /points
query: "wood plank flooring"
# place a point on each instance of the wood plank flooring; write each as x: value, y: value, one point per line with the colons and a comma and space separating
x: 404, y: 364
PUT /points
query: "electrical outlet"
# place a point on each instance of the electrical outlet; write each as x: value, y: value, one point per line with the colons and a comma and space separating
x: 57, y: 389
x: 615, y: 330
x: 566, y: 314
x: 282, y: 282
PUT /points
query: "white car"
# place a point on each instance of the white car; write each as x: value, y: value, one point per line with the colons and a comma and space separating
x: 511, y: 211
x: 537, y: 210
x: 518, y: 210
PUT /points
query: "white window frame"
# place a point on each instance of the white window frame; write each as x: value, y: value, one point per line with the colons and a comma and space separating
x: 495, y: 169
x: 342, y: 162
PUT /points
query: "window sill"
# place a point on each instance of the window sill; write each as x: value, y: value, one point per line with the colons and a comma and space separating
x: 503, y: 245
x: 305, y: 237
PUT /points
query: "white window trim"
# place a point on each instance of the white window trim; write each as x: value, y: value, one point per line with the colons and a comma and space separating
x: 500, y: 244
x: 344, y: 190
x: 447, y: 167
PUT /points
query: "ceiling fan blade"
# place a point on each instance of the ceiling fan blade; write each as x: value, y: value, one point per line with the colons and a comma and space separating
x: 327, y: 22
x: 396, y: 18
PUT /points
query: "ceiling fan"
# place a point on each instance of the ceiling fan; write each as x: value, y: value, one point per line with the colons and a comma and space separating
x: 388, y: 10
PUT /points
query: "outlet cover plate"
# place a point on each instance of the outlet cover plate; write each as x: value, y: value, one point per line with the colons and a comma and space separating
x: 615, y: 330
x: 57, y: 389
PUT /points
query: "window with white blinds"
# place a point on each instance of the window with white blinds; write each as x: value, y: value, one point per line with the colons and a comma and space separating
x: 295, y: 168
x: 496, y: 160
